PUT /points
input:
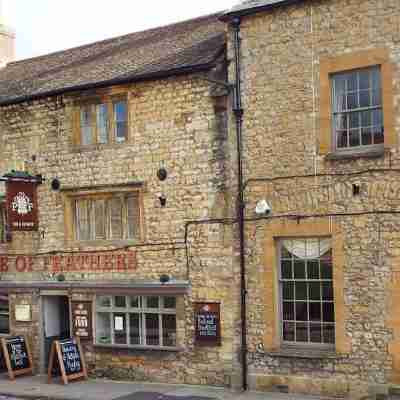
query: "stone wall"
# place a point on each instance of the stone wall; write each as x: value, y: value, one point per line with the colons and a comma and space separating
x: 177, y: 124
x: 281, y: 54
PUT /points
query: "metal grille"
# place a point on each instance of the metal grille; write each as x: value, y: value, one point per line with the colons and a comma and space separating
x: 307, y: 304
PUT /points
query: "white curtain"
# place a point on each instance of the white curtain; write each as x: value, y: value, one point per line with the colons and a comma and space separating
x: 307, y: 248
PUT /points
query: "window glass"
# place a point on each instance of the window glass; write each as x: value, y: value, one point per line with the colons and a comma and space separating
x: 102, y: 122
x: 357, y: 108
x: 4, y: 315
x: 307, y: 298
x: 132, y: 207
x: 169, y: 302
x: 82, y: 220
x: 136, y: 320
x: 86, y: 125
x: 169, y: 330
x: 115, y: 217
x: 120, y: 121
x: 134, y: 329
x: 104, y: 301
x: 152, y: 329
x: 103, y: 328
x: 120, y: 301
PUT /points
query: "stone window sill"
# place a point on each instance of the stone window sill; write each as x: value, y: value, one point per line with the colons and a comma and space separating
x: 134, y: 348
x: 302, y: 352
x: 80, y: 148
x: 85, y: 244
x: 376, y: 152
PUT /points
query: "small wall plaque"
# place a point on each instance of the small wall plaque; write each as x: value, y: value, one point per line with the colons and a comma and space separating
x: 207, y: 324
x: 23, y: 313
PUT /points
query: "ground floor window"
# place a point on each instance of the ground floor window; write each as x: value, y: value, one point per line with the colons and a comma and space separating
x: 136, y: 320
x: 306, y: 287
x: 4, y: 314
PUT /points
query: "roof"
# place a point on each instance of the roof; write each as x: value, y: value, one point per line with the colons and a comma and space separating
x: 184, y: 47
x: 249, y: 7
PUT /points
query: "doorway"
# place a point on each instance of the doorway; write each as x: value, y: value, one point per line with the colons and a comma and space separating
x: 56, y: 323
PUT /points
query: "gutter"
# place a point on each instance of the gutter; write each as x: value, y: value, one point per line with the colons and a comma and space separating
x: 238, y: 112
x: 230, y: 15
x: 115, y: 81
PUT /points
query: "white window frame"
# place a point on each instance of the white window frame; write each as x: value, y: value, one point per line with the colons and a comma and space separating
x: 142, y: 310
x: 285, y: 343
x: 348, y: 112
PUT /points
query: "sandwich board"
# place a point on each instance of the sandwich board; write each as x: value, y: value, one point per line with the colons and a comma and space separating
x: 17, y: 356
x: 67, y: 360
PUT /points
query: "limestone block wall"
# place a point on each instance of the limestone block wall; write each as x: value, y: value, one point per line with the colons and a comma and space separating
x: 282, y: 50
x: 175, y: 124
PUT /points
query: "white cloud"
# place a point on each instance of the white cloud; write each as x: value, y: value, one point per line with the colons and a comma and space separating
x: 44, y: 26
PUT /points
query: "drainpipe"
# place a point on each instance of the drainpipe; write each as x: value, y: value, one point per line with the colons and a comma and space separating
x: 238, y: 113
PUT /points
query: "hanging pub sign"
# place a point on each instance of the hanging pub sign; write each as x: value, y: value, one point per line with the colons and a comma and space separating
x: 82, y: 319
x: 22, y: 212
x: 207, y: 324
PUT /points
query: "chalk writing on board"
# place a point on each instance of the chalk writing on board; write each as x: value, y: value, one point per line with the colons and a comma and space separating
x: 207, y: 324
x: 71, y: 357
x: 18, y: 353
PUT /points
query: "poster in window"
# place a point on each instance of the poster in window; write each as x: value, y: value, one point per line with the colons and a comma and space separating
x: 82, y: 319
x: 22, y: 213
x: 207, y: 324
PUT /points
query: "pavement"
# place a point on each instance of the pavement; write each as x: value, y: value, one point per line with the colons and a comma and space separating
x: 37, y: 388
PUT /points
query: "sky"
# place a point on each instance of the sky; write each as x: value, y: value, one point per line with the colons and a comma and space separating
x: 45, y: 26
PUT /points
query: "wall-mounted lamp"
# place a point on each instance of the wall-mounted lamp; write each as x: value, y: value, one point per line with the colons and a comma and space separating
x: 162, y: 174
x: 164, y: 278
x: 55, y: 184
x: 163, y: 200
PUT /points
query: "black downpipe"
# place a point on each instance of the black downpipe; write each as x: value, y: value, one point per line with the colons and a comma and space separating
x: 238, y: 112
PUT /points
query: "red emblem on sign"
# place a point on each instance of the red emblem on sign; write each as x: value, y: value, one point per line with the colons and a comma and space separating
x: 22, y: 205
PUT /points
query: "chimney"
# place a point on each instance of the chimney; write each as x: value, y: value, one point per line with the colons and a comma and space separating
x: 7, y: 40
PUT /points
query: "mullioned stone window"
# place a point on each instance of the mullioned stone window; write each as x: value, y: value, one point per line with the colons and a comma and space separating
x: 102, y: 120
x: 136, y: 321
x: 103, y: 216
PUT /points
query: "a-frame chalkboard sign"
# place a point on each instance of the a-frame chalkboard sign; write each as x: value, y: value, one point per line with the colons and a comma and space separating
x: 17, y: 356
x: 67, y: 360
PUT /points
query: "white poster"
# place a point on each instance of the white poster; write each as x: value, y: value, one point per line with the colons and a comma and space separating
x: 118, y: 323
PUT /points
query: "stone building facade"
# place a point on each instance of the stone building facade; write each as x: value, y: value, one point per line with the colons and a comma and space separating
x: 135, y: 138
x: 308, y: 153
x: 126, y: 205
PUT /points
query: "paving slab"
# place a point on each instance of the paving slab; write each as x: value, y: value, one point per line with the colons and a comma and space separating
x: 37, y: 388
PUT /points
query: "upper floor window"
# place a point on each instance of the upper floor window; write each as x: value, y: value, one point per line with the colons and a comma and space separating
x: 107, y: 217
x: 102, y: 122
x: 356, y: 104
x: 357, y: 108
